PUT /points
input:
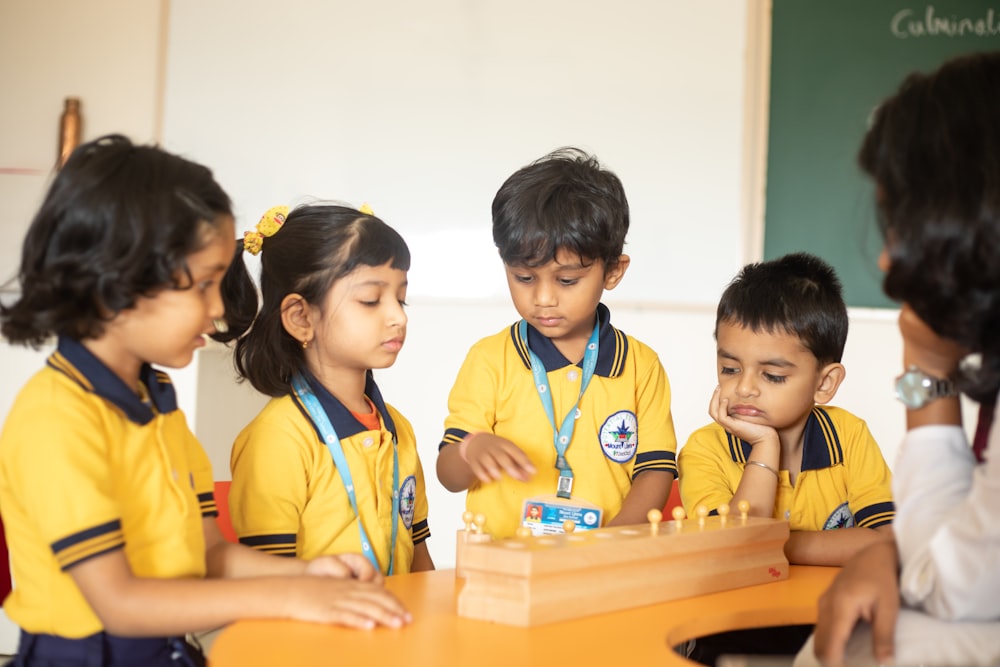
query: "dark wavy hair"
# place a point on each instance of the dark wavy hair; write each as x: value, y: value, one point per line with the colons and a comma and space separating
x: 564, y: 200
x: 798, y: 294
x: 316, y: 246
x: 116, y: 224
x: 933, y: 151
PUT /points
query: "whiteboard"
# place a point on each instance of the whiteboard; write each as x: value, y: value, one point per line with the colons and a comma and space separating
x: 424, y: 109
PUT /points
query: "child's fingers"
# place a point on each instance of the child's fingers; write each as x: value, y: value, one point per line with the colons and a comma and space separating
x: 379, y: 606
x: 720, y: 414
x: 328, y: 566
x: 352, y: 604
x: 365, y: 616
x: 714, y: 404
x: 360, y: 567
x: 485, y: 467
x: 344, y: 566
x: 491, y: 457
x: 517, y: 464
x: 506, y: 457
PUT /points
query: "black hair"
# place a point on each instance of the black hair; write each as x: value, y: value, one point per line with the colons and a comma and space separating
x: 798, y: 294
x: 316, y: 246
x: 116, y: 224
x: 933, y: 151
x: 562, y: 201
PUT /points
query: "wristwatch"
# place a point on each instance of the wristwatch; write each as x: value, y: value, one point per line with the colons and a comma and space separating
x: 915, y: 388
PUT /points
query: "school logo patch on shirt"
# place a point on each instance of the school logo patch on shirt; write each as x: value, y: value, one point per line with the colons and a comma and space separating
x: 619, y: 436
x: 408, y: 500
x: 842, y: 517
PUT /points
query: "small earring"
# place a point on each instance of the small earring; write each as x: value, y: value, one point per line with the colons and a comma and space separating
x: 305, y: 344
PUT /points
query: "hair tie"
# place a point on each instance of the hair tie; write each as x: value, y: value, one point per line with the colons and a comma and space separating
x: 269, y: 225
x: 366, y: 209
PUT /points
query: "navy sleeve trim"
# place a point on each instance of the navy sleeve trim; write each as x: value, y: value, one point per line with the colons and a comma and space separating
x: 873, y: 516
x: 420, y: 531
x: 207, y: 503
x: 452, y: 436
x: 88, y: 543
x: 656, y: 460
x: 281, y: 544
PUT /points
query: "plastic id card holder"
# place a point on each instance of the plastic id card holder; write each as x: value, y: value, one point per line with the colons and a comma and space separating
x: 545, y: 515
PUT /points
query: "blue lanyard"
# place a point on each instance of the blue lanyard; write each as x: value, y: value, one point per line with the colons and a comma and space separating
x: 562, y: 435
x: 322, y: 422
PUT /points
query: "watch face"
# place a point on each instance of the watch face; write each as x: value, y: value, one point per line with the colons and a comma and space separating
x: 913, y: 389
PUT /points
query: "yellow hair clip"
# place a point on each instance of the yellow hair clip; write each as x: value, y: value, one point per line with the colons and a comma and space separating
x: 366, y: 209
x: 269, y: 224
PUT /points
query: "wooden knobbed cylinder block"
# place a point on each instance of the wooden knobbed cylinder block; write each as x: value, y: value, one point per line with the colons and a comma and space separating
x: 536, y: 580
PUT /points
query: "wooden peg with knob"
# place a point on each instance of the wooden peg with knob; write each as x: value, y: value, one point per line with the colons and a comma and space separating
x: 654, y: 516
x: 744, y: 507
x: 678, y: 514
x: 723, y: 514
x: 702, y: 512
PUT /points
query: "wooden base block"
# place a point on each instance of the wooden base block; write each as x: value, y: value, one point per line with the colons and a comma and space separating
x: 462, y: 540
x: 535, y: 580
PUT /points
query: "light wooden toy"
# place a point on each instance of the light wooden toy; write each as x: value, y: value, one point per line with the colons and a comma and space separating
x: 527, y: 581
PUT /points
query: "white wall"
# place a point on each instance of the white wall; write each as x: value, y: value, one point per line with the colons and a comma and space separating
x: 423, y: 109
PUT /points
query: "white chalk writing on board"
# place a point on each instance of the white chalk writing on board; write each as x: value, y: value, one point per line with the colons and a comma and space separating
x: 907, y: 23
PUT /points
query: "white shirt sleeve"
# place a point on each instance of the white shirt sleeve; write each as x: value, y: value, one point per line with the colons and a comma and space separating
x: 947, y: 524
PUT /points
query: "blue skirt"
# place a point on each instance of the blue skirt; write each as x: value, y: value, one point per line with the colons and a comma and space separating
x: 104, y: 650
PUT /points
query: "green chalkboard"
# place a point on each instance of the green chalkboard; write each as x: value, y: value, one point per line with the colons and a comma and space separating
x: 832, y: 62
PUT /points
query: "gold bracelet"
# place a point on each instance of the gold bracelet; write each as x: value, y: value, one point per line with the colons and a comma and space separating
x: 765, y: 467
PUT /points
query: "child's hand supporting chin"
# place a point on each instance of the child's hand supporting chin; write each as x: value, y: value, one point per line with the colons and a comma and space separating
x: 754, y: 434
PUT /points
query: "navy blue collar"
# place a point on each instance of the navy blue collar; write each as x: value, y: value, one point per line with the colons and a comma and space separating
x: 611, y: 353
x: 344, y: 423
x: 77, y: 362
x: 820, y: 443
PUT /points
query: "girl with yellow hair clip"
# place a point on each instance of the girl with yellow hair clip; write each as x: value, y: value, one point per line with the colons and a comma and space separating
x: 328, y: 466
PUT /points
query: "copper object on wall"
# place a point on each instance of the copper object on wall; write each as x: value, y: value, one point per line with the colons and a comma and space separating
x: 69, y: 129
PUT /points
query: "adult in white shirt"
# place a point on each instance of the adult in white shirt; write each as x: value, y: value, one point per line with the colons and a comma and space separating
x: 932, y: 596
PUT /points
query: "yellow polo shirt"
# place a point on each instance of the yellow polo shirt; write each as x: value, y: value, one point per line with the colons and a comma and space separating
x: 287, y: 497
x: 624, y: 425
x: 844, y: 480
x: 87, y: 467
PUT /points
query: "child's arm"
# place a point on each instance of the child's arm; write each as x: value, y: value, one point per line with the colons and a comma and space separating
x: 481, y: 457
x: 421, y: 558
x: 650, y: 490
x: 225, y: 560
x: 759, y: 484
x: 832, y: 547
x: 133, y: 606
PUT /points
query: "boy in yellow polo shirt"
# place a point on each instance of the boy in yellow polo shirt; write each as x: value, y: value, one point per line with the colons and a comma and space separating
x: 560, y: 411
x: 781, y: 327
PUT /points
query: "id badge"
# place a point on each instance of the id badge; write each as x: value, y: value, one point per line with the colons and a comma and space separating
x: 545, y: 515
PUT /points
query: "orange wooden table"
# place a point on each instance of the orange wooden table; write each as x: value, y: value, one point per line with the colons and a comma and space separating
x: 437, y: 636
